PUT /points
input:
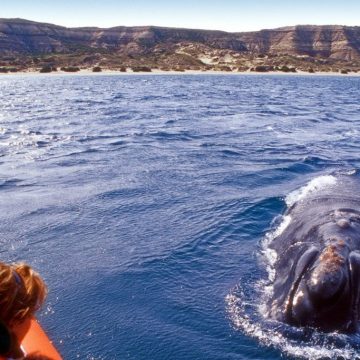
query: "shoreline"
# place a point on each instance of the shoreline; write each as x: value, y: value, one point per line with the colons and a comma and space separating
x: 86, y: 72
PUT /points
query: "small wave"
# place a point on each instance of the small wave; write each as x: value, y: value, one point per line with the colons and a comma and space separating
x: 164, y: 135
x: 118, y: 143
x: 9, y: 183
x: 31, y: 144
x: 353, y: 133
x: 152, y: 98
x: 89, y: 138
x: 118, y: 96
x: 230, y: 153
x: 89, y: 101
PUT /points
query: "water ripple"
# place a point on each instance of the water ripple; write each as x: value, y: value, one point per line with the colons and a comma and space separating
x: 153, y: 194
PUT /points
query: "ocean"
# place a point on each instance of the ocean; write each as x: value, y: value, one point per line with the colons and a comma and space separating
x: 146, y: 203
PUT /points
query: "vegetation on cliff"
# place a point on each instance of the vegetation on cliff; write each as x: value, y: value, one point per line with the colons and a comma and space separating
x: 44, y: 47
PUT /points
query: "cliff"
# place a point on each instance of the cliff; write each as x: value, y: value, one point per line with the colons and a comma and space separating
x: 170, y: 46
x: 337, y: 42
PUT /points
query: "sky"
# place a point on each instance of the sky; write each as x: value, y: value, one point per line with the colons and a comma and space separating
x: 227, y: 15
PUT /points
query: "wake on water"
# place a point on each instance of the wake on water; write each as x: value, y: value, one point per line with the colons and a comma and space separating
x: 249, y: 315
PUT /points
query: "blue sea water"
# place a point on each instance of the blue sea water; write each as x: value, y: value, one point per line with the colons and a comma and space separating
x: 144, y: 202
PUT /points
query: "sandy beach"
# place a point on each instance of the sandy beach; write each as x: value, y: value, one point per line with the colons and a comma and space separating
x: 87, y: 72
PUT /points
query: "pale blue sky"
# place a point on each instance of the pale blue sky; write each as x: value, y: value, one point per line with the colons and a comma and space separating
x: 228, y: 15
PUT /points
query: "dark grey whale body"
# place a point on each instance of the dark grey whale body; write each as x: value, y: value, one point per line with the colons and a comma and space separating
x: 317, y: 280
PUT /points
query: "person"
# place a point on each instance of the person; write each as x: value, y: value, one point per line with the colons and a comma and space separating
x: 22, y: 293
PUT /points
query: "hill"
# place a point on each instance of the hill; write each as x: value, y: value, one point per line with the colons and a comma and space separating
x: 26, y: 44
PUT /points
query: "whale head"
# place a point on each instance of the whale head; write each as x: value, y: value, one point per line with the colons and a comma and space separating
x: 325, y: 289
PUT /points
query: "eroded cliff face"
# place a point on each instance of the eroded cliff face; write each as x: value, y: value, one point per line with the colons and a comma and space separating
x: 26, y: 37
x: 28, y: 45
x: 337, y: 42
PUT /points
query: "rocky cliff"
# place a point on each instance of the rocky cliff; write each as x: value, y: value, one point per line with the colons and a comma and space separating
x: 161, y: 45
x: 337, y: 42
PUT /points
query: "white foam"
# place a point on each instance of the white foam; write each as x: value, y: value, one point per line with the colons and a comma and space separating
x: 269, y: 254
x: 350, y: 172
x: 312, y: 187
x: 286, y: 220
x: 269, y: 335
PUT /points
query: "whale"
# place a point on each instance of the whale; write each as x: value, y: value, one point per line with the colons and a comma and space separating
x: 317, y: 268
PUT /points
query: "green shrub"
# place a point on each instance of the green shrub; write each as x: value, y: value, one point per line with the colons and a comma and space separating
x: 285, y: 68
x: 178, y: 68
x: 5, y: 70
x: 225, y: 68
x: 123, y: 69
x: 141, y: 69
x: 97, y: 69
x: 70, y: 68
x: 263, y: 68
x: 46, y: 69
x: 13, y: 69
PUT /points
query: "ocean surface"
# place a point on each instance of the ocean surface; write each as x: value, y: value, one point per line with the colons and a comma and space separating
x: 146, y: 203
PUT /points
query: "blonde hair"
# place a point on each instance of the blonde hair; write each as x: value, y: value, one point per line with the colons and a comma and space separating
x: 22, y: 292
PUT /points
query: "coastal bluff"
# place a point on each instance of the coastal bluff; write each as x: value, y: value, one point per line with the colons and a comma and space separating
x: 305, y: 45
